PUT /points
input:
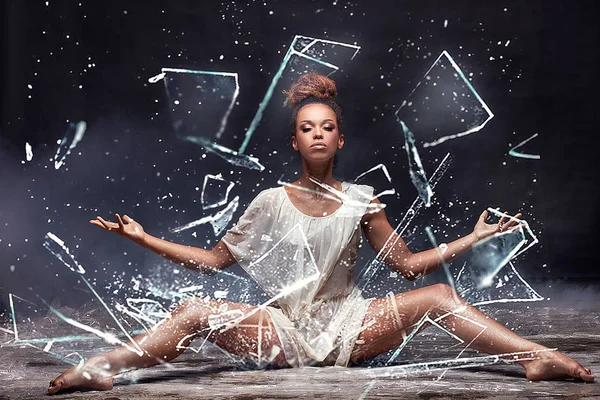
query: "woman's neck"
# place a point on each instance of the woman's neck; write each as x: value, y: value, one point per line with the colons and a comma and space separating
x: 314, y: 175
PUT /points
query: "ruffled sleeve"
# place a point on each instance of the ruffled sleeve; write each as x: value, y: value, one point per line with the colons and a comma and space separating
x: 242, y: 238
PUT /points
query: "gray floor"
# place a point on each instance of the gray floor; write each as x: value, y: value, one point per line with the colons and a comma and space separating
x: 571, y: 327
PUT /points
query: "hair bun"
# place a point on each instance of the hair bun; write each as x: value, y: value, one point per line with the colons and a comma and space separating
x: 311, y: 84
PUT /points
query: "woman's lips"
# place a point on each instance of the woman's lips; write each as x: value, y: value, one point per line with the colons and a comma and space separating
x: 318, y: 146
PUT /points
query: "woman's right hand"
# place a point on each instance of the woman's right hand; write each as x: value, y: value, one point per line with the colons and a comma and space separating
x: 126, y: 227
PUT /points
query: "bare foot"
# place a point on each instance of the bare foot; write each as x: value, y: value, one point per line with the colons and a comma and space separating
x: 555, y: 365
x: 87, y: 377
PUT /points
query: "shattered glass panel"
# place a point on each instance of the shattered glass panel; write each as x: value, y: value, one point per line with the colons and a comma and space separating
x: 416, y: 170
x: 72, y: 137
x: 520, y: 152
x: 305, y: 54
x: 215, y: 191
x: 444, y: 105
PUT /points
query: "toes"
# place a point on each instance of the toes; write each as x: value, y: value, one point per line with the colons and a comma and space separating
x: 55, y: 386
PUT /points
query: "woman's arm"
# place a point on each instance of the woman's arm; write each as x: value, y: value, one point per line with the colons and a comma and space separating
x: 414, y: 265
x: 205, y: 261
x: 194, y: 258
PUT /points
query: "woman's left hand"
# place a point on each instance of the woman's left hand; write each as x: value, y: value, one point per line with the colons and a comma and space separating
x: 483, y: 230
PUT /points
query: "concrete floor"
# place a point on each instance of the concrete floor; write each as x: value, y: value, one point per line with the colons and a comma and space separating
x: 573, y: 328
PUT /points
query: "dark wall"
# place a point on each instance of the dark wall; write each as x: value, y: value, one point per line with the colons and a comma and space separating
x: 92, y: 63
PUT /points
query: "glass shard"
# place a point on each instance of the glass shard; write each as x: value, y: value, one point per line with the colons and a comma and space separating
x: 417, y: 173
x: 506, y: 287
x: 465, y: 362
x: 28, y: 152
x: 445, y: 266
x: 200, y: 101
x: 72, y: 137
x: 520, y: 154
x: 56, y: 246
x: 232, y: 157
x: 379, y: 178
x: 444, y: 105
x: 215, y: 191
x: 490, y: 255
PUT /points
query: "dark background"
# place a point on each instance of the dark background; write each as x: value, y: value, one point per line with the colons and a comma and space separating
x: 90, y: 61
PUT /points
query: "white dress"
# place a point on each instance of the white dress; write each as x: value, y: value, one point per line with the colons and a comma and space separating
x: 306, y: 264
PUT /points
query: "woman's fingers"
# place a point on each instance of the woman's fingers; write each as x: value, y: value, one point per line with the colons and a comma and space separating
x: 513, y: 220
x: 97, y: 223
x: 121, y: 224
x: 109, y: 226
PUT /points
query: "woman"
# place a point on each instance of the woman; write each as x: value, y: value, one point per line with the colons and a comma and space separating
x: 300, y: 243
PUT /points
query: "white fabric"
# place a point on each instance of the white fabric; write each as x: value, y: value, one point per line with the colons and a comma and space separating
x: 307, y: 265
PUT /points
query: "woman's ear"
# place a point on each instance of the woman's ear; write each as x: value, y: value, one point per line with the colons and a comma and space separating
x: 294, y: 142
x: 341, y: 141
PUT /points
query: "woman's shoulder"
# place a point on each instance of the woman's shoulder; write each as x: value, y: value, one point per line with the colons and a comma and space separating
x: 364, y: 191
x: 267, y: 196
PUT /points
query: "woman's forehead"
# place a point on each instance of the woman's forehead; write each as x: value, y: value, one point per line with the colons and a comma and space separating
x: 316, y: 111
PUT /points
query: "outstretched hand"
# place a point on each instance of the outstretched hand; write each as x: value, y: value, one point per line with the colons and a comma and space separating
x: 126, y: 227
x: 483, y: 229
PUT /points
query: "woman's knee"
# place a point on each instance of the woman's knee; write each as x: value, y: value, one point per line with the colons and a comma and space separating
x: 193, y: 311
x: 446, y: 298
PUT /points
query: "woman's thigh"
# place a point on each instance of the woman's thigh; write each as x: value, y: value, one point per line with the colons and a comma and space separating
x: 390, y: 319
x: 245, y: 330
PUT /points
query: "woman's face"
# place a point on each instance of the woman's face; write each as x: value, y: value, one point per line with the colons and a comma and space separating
x: 317, y: 136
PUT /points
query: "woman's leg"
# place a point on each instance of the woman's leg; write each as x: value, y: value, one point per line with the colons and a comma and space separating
x: 170, y: 338
x: 390, y: 319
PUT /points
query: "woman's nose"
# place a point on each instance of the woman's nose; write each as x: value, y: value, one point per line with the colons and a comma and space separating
x: 318, y: 133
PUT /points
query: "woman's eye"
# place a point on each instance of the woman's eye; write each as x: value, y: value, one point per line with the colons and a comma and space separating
x: 328, y: 128
x: 305, y: 129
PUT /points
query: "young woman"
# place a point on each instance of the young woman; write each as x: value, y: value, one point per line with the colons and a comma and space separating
x: 300, y: 243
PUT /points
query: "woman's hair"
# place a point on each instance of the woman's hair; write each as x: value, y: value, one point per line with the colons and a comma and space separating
x: 313, y: 88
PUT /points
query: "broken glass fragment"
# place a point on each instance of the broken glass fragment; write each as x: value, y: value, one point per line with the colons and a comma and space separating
x: 219, y: 221
x: 507, y: 286
x: 72, y: 137
x: 466, y: 362
x: 215, y: 191
x: 28, y: 152
x: 530, y: 237
x: 200, y: 101
x: 200, y: 104
x: 445, y: 265
x: 444, y: 105
x: 490, y: 255
x: 232, y: 157
x: 379, y: 178
x: 519, y: 154
x: 417, y: 173
x: 56, y: 246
